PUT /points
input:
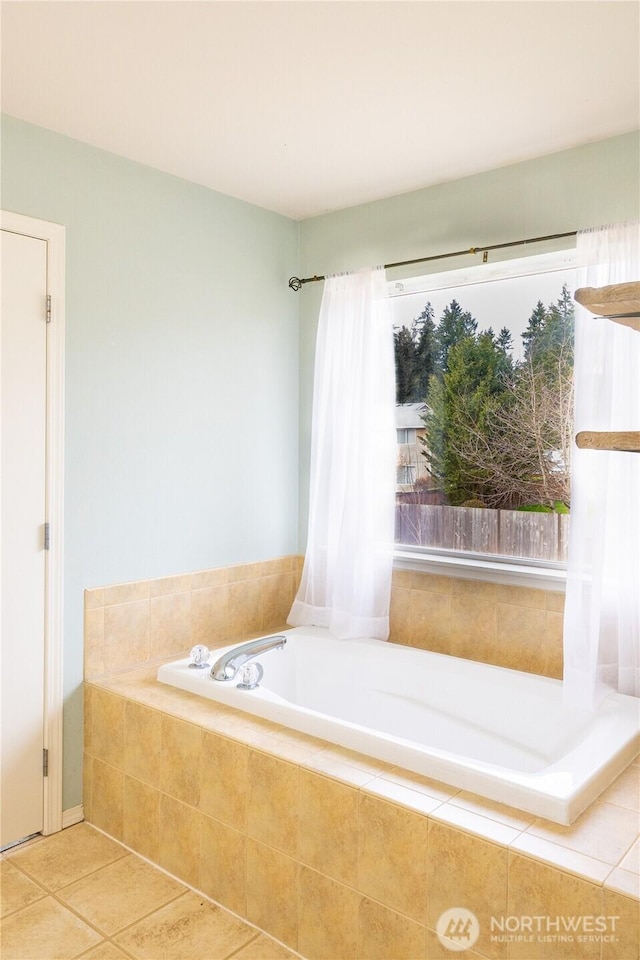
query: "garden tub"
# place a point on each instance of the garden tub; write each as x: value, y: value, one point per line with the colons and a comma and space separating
x: 499, y: 733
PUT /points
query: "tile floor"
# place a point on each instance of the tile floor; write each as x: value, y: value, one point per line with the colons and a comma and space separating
x: 80, y: 894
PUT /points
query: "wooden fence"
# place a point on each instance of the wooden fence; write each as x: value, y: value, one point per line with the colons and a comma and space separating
x: 509, y: 533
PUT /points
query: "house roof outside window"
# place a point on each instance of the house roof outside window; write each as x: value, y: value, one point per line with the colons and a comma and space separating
x: 409, y: 415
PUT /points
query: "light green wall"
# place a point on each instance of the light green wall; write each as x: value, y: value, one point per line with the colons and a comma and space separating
x: 184, y: 370
x: 584, y: 187
x: 181, y: 376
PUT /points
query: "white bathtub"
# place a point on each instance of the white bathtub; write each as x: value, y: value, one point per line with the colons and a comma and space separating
x: 499, y: 733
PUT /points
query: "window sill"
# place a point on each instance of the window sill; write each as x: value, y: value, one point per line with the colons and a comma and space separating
x: 495, y: 571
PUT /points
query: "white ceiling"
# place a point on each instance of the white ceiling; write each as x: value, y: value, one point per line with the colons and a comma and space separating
x: 306, y: 107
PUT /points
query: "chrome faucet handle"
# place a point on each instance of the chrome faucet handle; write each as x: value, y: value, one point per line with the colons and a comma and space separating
x: 199, y: 656
x: 250, y: 676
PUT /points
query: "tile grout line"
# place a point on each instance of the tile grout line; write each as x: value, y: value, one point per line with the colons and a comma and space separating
x: 117, y: 946
x: 24, y: 873
x: 626, y: 853
x: 54, y: 894
x: 116, y: 933
x: 70, y: 910
x: 602, y: 884
x: 268, y: 747
x: 243, y: 947
x: 50, y: 892
x: 463, y: 829
x: 264, y: 749
x: 45, y: 893
x: 588, y: 856
x: 190, y: 888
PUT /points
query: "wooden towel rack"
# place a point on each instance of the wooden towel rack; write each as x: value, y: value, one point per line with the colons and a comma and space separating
x: 619, y: 302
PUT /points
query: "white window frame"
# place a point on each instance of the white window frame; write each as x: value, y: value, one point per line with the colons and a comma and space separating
x: 509, y: 570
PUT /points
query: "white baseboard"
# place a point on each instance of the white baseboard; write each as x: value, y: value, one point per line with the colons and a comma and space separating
x: 72, y: 815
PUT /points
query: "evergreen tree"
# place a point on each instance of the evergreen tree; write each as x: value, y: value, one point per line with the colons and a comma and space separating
x: 405, y: 357
x: 425, y: 353
x: 460, y: 403
x: 534, y: 329
x: 565, y: 305
x: 504, y: 340
x: 556, y: 340
x: 455, y: 324
x: 415, y: 353
x: 549, y: 334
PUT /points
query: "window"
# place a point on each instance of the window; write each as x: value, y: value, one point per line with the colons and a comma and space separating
x: 406, y: 475
x: 484, y: 361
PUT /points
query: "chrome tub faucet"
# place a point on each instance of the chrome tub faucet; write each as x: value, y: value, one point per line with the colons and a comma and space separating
x: 227, y: 666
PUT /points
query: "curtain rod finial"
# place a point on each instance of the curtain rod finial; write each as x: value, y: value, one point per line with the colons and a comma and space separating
x: 295, y: 283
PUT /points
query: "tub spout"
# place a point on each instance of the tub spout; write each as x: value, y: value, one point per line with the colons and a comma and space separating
x: 227, y: 666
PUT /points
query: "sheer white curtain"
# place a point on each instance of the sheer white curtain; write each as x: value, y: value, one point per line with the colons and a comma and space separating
x: 346, y: 578
x: 602, y: 612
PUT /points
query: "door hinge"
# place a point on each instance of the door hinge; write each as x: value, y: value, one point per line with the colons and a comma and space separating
x: 47, y: 536
x: 48, y: 313
x: 45, y: 762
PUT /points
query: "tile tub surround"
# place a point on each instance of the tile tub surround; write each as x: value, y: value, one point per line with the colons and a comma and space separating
x: 80, y: 894
x: 333, y: 853
x: 509, y: 626
x: 146, y: 620
x: 149, y: 620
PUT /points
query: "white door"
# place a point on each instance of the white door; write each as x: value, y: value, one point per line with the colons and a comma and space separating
x: 23, y: 365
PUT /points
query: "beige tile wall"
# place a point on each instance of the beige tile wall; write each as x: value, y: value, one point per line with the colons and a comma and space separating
x: 148, y: 620
x: 517, y: 627
x: 338, y: 855
x: 329, y: 852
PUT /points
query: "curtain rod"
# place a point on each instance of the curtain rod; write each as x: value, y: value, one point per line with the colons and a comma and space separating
x: 295, y: 283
